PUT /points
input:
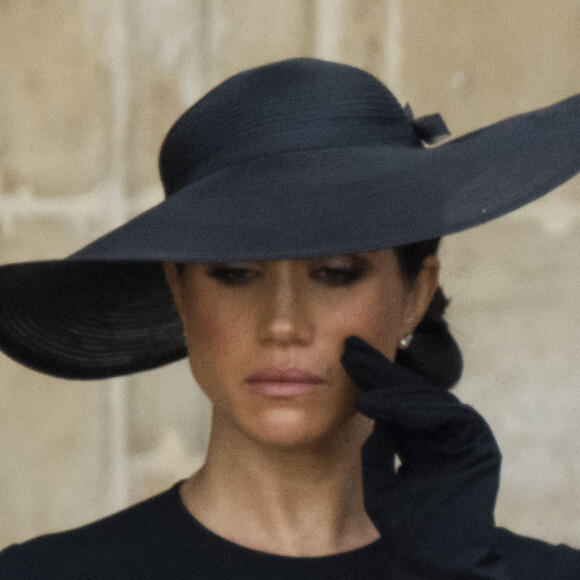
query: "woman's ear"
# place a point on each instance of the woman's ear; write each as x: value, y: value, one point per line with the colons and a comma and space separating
x: 175, y: 282
x: 421, y: 292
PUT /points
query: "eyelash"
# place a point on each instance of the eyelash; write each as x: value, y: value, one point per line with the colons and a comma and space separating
x: 334, y: 277
x: 337, y: 277
x: 231, y: 276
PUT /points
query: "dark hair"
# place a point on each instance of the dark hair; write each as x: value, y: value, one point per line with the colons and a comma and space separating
x: 433, y: 352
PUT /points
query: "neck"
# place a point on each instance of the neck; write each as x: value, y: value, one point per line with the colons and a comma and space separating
x: 298, y: 501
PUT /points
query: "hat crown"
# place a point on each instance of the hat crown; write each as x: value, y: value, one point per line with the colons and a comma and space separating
x: 296, y: 104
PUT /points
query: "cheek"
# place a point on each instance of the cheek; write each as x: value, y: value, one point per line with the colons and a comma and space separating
x: 215, y: 342
x: 376, y: 317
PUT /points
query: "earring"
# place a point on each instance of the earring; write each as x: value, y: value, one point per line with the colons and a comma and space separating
x: 405, y: 342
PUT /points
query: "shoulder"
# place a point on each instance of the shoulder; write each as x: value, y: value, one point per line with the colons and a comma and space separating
x: 528, y: 558
x: 118, y: 546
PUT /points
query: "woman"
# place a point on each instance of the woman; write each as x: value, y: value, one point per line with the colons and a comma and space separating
x: 293, y: 261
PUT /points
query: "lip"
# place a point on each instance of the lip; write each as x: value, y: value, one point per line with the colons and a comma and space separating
x: 284, y: 382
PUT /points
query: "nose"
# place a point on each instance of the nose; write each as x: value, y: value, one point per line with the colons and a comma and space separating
x: 285, y: 312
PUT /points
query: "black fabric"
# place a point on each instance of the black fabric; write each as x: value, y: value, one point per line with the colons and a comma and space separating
x: 438, y: 507
x: 159, y: 539
x: 291, y: 160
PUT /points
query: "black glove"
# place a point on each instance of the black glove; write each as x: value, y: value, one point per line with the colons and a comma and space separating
x: 435, y: 512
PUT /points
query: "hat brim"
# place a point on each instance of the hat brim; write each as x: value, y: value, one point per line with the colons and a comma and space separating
x: 107, y: 311
x: 88, y: 320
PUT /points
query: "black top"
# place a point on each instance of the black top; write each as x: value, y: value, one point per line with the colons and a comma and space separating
x: 159, y: 538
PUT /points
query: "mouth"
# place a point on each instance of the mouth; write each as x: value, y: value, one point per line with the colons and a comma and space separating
x: 287, y: 382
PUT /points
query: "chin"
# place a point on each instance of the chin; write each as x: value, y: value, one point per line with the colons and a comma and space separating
x: 287, y: 428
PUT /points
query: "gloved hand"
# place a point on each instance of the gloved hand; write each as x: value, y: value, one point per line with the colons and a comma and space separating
x: 436, y: 511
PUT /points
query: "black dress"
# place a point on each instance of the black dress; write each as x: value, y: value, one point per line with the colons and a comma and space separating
x: 159, y: 538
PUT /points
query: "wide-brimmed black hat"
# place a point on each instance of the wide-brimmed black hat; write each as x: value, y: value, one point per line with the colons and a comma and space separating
x: 294, y: 159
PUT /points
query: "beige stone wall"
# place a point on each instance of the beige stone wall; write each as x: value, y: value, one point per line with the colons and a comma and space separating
x: 88, y: 91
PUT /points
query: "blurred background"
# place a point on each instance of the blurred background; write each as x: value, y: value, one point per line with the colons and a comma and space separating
x: 87, y: 92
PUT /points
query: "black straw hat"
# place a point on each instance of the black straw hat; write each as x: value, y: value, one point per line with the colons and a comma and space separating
x: 294, y: 159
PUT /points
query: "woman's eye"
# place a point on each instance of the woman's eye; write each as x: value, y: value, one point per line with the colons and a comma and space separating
x: 233, y: 276
x: 332, y: 276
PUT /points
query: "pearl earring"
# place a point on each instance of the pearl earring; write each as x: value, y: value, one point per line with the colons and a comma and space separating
x: 405, y: 342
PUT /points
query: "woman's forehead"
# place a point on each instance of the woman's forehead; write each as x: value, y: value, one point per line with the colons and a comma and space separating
x: 354, y: 257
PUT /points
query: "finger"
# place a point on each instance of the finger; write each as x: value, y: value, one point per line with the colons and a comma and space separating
x: 370, y: 369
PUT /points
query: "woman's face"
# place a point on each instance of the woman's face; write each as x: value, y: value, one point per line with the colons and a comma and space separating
x: 265, y: 338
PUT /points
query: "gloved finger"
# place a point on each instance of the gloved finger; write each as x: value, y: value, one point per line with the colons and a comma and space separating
x: 395, y: 395
x: 368, y: 367
x: 433, y: 425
